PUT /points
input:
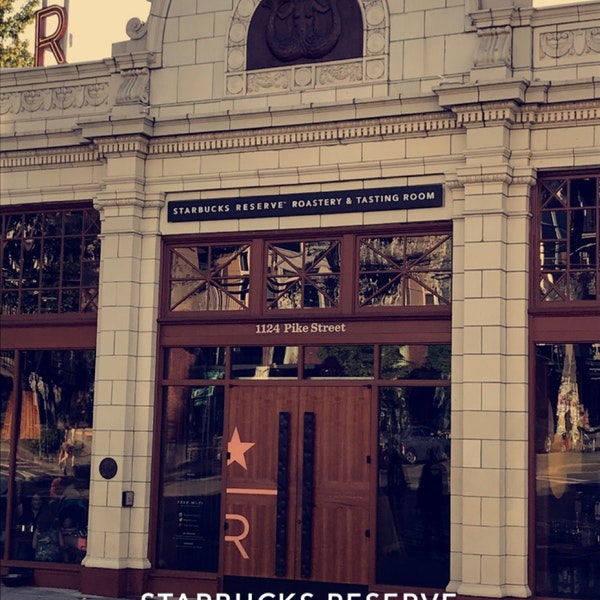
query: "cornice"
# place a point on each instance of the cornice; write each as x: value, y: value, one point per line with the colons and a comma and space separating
x: 49, y: 157
x: 137, y: 138
x: 304, y: 134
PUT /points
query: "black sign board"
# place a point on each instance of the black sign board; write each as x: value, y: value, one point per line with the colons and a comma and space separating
x: 346, y: 201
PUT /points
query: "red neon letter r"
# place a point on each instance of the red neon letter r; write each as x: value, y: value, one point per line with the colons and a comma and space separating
x: 43, y: 41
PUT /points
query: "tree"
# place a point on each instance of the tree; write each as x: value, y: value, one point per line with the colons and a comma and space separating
x: 14, y: 51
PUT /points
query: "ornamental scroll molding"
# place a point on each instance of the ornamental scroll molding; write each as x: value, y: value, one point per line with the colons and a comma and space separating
x: 134, y: 87
x: 63, y: 98
x: 575, y: 43
x: 136, y: 29
x: 371, y: 68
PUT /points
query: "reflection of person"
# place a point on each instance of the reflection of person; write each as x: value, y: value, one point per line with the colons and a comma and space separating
x: 47, y: 538
x: 396, y: 478
x: 26, y: 522
x: 72, y: 552
x: 29, y: 514
x: 430, y: 495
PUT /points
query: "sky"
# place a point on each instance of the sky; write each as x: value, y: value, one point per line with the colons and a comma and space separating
x: 94, y: 25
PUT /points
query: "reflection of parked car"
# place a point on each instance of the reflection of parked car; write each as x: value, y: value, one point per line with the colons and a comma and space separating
x: 590, y: 439
x: 418, y: 444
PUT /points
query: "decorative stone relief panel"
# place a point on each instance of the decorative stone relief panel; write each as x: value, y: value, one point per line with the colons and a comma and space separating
x: 63, y: 99
x: 567, y: 46
x: 494, y: 48
x: 370, y: 68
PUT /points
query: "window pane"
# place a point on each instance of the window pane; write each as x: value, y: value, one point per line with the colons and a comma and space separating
x: 209, y: 278
x: 569, y: 239
x: 413, y: 514
x: 40, y: 260
x: 303, y: 274
x: 195, y: 363
x: 7, y: 410
x: 415, y: 361
x: 567, y: 448
x: 53, y: 456
x: 264, y: 362
x: 405, y: 271
x: 326, y: 362
x: 190, y: 492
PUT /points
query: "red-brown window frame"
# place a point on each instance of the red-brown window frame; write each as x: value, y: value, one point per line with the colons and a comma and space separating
x: 537, y: 305
x: 348, y: 302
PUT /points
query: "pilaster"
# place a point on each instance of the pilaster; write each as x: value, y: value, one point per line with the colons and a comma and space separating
x: 490, y: 405
x: 125, y: 369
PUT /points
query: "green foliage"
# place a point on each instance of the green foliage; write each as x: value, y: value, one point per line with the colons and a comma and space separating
x: 14, y: 51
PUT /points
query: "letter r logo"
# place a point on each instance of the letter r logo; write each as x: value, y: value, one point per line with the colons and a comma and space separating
x: 237, y: 539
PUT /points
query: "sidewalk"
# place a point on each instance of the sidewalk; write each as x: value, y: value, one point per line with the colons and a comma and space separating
x: 41, y: 593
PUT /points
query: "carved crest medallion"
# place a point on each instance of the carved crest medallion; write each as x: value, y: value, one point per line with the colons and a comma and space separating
x: 302, y: 28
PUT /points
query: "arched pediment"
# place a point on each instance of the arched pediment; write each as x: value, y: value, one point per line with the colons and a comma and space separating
x: 369, y: 68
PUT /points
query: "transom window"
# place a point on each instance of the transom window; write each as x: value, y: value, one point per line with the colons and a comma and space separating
x: 209, y: 277
x: 344, y: 273
x: 303, y: 274
x: 50, y: 261
x: 405, y: 270
x: 569, y: 233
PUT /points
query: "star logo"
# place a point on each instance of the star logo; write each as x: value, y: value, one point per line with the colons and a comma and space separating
x: 237, y: 449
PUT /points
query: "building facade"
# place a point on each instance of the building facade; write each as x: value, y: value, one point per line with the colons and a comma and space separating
x: 304, y: 296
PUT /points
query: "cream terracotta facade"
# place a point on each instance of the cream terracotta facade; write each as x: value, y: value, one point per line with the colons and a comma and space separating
x: 477, y: 96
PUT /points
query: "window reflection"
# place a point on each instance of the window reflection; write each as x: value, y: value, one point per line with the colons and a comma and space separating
x: 303, y: 274
x: 405, y: 271
x: 207, y: 278
x: 413, y: 513
x: 415, y: 361
x: 190, y: 496
x: 567, y: 447
x: 205, y: 362
x: 53, y: 455
x: 326, y: 362
x: 569, y: 232
x: 264, y: 362
x: 50, y: 262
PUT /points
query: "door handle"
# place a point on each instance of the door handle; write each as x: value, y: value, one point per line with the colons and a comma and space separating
x: 281, y: 519
x: 308, y: 483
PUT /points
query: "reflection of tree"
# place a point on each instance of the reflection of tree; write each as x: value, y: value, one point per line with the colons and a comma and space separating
x: 352, y: 361
x: 61, y: 382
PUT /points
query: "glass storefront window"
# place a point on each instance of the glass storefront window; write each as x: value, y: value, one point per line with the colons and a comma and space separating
x: 51, y: 477
x: 415, y: 361
x: 326, y: 362
x: 206, y: 362
x: 567, y: 450
x: 264, y: 362
x: 7, y: 403
x: 50, y: 261
x: 413, y: 500
x: 190, y: 492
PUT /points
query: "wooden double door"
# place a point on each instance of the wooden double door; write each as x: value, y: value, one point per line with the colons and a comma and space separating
x: 297, y: 483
